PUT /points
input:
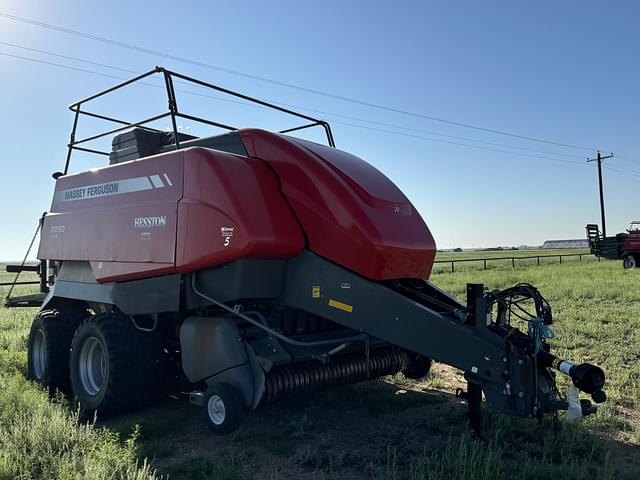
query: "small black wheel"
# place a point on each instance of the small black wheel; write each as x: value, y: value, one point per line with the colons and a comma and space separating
x: 629, y: 262
x: 49, y: 345
x: 418, y: 368
x: 222, y: 409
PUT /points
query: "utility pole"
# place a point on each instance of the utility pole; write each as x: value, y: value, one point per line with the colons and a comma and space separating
x: 599, y: 159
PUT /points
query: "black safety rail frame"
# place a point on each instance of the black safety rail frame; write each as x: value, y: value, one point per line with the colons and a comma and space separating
x: 173, y: 112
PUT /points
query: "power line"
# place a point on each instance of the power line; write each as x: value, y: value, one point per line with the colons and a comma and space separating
x: 68, y: 67
x: 617, y: 169
x: 624, y: 171
x: 280, y: 83
x: 458, y: 143
x: 290, y: 105
x: 82, y: 60
x: 624, y: 158
x: 246, y: 104
x: 417, y: 130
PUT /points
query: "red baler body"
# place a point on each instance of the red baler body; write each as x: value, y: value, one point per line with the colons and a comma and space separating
x: 195, y: 208
x: 632, y: 244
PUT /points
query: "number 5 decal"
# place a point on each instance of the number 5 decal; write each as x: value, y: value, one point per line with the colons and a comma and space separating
x: 226, y: 233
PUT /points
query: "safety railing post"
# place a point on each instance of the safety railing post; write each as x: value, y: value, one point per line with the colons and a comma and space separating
x: 72, y: 139
x: 173, y: 105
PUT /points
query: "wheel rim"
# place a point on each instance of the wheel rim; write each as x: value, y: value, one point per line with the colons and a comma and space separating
x: 629, y: 262
x: 39, y: 348
x: 216, y: 410
x: 92, y: 366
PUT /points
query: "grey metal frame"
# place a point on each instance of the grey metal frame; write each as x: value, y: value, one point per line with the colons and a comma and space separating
x: 513, y: 380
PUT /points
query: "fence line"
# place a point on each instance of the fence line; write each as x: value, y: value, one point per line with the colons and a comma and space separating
x: 513, y: 259
x: 452, y: 262
x: 6, y: 284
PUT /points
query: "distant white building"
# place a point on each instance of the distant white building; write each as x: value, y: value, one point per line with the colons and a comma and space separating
x: 579, y: 243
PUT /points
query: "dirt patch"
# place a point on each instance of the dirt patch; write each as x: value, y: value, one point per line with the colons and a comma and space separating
x: 369, y: 430
x: 349, y: 432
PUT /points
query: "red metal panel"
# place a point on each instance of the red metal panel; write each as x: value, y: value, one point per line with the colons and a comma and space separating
x: 194, y: 208
x: 351, y: 213
x: 124, y: 218
x: 232, y: 208
x: 632, y: 244
x: 122, y: 213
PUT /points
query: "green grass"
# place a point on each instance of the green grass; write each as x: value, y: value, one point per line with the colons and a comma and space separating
x: 389, y: 430
x: 42, y: 438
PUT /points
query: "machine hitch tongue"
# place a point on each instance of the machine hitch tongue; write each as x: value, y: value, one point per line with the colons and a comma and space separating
x: 526, y: 386
x: 586, y: 377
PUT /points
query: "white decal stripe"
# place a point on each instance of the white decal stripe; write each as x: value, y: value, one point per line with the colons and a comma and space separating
x: 157, y: 181
x: 166, y: 177
x: 136, y: 184
x: 115, y: 187
x: 565, y: 367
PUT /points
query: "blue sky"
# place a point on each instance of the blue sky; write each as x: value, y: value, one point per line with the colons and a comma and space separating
x: 566, y: 72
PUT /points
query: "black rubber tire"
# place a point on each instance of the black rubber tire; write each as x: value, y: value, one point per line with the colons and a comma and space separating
x: 629, y: 262
x: 56, y: 328
x: 418, y: 368
x: 233, y: 411
x: 133, y: 365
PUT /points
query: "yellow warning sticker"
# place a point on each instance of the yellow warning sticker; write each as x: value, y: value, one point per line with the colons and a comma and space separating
x: 315, y: 291
x: 341, y: 306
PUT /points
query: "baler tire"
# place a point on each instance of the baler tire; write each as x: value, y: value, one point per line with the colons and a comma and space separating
x: 222, y: 409
x: 49, y: 346
x: 629, y: 262
x: 130, y: 366
x: 418, y: 368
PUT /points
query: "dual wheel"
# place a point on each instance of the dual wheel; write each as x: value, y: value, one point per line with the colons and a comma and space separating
x: 107, y: 364
x: 111, y: 367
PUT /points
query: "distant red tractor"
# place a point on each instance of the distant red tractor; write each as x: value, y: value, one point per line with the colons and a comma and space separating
x: 625, y: 246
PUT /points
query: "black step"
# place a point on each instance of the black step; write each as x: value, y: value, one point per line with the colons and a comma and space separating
x: 33, y: 300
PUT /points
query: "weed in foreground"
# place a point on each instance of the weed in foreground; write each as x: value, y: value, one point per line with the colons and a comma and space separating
x: 41, y: 439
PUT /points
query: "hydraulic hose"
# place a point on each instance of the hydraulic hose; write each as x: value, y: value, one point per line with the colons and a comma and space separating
x: 316, y: 343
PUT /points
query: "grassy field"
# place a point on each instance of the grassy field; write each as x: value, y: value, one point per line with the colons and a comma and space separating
x: 391, y: 429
